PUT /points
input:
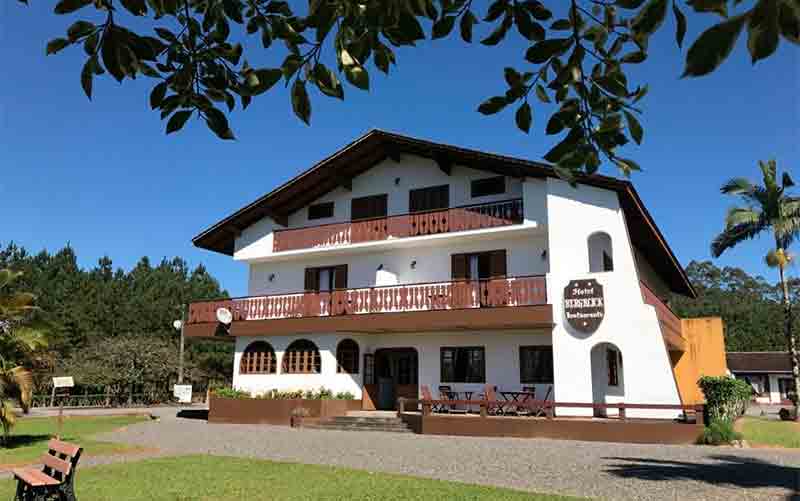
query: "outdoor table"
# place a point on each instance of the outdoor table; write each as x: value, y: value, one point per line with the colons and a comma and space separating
x: 514, y: 395
x: 453, y: 395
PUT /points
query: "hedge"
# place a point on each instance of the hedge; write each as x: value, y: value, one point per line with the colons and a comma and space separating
x: 726, y: 397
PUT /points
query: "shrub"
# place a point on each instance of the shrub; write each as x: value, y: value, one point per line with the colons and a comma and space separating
x: 344, y: 395
x: 786, y: 414
x: 719, y: 432
x: 230, y: 393
x: 726, y: 398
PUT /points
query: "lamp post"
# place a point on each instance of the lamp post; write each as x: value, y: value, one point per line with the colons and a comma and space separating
x: 178, y: 325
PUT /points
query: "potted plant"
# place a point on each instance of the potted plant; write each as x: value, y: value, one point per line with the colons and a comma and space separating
x: 297, y: 415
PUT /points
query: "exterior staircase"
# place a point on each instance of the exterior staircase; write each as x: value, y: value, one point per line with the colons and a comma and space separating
x: 363, y: 421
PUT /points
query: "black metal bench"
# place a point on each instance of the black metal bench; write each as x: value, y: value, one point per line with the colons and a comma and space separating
x: 56, y: 480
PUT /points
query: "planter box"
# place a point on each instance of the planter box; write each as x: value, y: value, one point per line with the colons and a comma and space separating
x: 264, y: 411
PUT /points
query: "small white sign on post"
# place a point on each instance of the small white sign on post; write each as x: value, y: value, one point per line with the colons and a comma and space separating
x: 63, y: 382
x: 183, y: 392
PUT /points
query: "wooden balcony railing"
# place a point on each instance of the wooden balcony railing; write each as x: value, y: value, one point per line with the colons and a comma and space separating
x: 501, y: 292
x: 472, y: 217
x: 670, y: 322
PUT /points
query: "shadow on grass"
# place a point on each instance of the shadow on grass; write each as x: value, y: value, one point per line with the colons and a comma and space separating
x: 733, y: 471
x: 15, y: 441
x: 201, y: 414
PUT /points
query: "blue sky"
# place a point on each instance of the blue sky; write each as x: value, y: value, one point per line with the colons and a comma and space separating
x: 102, y: 175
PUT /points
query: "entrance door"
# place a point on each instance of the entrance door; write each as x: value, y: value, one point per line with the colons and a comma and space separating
x: 396, y: 371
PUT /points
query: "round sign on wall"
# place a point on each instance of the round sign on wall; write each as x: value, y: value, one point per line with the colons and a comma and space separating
x: 584, y: 305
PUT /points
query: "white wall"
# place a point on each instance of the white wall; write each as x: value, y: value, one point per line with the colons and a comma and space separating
x: 629, y: 324
x: 523, y: 257
x: 396, y: 180
x: 501, y: 352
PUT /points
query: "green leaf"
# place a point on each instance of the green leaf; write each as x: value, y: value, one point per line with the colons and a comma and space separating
x: 542, y: 94
x: 499, y: 33
x: 712, y: 47
x: 443, y: 27
x: 525, y: 25
x: 565, y: 146
x: 561, y: 25
x: 110, y: 50
x: 542, y: 51
x: 90, y: 44
x: 301, y: 104
x: 763, y: 30
x: 67, y: 6
x: 178, y: 120
x: 265, y: 78
x: 626, y: 165
x: 789, y: 20
x: 634, y: 127
x: 493, y: 105
x: 55, y: 45
x: 554, y: 125
x: 79, y: 29
x: 135, y: 7
x: 524, y: 117
x: 87, y: 74
x: 467, y: 21
x: 680, y: 24
x: 718, y: 6
x: 650, y: 17
x: 629, y: 4
x: 166, y: 34
x: 357, y: 76
x: 634, y: 57
x: 513, y: 77
x: 327, y: 81
x: 218, y: 123
x: 233, y: 9
x: 157, y: 95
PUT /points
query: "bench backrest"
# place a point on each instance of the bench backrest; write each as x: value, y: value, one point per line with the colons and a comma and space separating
x: 61, y: 459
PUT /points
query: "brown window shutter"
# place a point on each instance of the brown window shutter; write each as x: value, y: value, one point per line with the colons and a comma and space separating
x: 458, y: 266
x: 312, y: 279
x: 340, y: 277
x: 368, y: 207
x: 497, y: 264
x: 381, y: 206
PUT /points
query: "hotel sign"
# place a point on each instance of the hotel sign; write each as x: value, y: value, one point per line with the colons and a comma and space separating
x: 584, y: 305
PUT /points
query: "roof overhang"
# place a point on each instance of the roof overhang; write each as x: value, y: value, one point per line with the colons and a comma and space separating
x: 375, y: 146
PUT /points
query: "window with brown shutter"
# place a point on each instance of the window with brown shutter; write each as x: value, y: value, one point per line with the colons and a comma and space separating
x: 479, y: 265
x: 536, y: 364
x: 428, y: 199
x: 258, y: 358
x: 488, y: 186
x: 326, y: 278
x: 369, y: 207
x: 301, y: 357
x: 320, y: 211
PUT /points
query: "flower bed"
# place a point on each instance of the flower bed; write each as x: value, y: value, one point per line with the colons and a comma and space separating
x: 239, y: 407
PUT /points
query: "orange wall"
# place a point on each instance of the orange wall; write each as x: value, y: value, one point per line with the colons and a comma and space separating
x: 704, y: 356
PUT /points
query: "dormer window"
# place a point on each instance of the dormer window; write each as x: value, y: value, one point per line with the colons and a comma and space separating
x: 488, y: 186
x: 320, y: 211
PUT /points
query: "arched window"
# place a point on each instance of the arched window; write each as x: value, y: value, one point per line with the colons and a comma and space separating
x: 601, y: 255
x: 347, y: 357
x: 258, y: 358
x: 302, y: 357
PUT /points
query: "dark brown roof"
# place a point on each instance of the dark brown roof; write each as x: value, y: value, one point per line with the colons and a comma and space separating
x: 376, y: 145
x: 759, y: 361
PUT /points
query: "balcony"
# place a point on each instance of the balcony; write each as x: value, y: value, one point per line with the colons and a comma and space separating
x: 471, y: 217
x: 388, y: 308
x: 670, y: 323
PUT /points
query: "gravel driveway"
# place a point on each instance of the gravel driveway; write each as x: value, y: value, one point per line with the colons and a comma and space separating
x: 594, y: 469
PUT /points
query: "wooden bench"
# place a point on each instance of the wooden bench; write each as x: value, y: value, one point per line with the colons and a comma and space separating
x: 55, y: 481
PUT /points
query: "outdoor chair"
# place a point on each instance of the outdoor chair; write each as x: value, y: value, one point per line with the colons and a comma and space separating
x: 526, y: 410
x: 446, y: 393
x: 540, y: 409
x: 494, y: 407
x: 56, y: 480
x: 426, y: 395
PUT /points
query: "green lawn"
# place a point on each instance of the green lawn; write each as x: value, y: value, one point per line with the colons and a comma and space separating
x: 763, y: 431
x: 29, y: 437
x: 220, y: 478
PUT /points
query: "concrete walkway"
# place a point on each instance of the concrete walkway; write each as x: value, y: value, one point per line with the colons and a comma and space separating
x: 604, y: 470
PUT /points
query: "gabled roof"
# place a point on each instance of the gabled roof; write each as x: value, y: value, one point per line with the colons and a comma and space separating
x: 377, y: 145
x: 759, y: 361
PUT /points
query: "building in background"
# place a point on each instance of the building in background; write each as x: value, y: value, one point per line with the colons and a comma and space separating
x: 768, y: 372
x: 397, y: 263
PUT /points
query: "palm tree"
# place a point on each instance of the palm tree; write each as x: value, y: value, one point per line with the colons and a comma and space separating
x: 768, y: 208
x: 19, y: 339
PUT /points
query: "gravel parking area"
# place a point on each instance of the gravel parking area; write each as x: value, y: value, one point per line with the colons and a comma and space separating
x: 602, y: 470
